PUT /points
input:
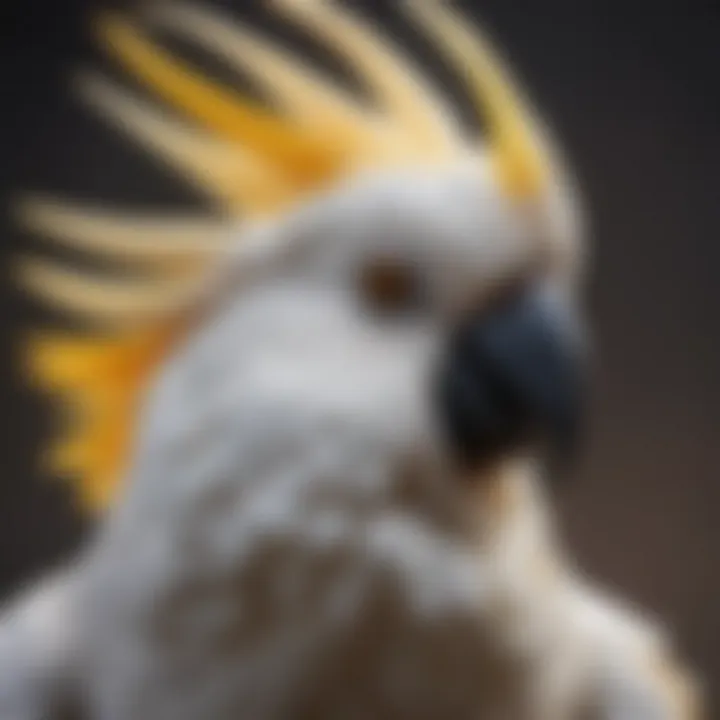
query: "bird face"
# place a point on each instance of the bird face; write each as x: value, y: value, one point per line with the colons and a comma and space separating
x: 424, y: 300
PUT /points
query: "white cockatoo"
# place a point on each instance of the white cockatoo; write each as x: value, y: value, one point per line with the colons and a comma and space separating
x: 332, y: 499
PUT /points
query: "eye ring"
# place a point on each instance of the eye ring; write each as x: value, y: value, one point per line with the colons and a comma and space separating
x: 391, y: 287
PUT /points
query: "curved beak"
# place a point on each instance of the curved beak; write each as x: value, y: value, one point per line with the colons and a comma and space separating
x: 515, y: 376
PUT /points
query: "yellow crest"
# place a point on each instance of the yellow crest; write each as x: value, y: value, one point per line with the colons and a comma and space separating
x: 249, y: 161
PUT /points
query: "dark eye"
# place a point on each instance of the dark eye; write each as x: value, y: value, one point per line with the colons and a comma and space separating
x: 390, y: 287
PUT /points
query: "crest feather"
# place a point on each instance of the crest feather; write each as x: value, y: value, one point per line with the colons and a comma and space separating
x: 101, y: 380
x: 302, y: 93
x: 401, y: 89
x: 521, y: 162
x: 234, y: 177
x: 302, y: 155
x: 172, y: 243
x: 106, y: 302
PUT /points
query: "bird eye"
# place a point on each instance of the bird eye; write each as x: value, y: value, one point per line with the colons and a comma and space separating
x: 390, y: 287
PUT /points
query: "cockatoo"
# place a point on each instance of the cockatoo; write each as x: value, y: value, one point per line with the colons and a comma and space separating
x: 317, y: 427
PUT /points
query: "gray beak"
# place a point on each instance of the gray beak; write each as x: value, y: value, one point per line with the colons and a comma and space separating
x: 515, y: 376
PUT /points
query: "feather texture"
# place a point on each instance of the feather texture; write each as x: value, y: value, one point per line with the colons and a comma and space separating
x: 249, y: 161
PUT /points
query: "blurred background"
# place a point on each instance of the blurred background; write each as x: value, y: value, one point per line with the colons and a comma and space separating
x: 631, y: 90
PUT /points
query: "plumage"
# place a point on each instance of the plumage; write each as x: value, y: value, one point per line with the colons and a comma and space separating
x: 250, y: 163
x: 286, y: 531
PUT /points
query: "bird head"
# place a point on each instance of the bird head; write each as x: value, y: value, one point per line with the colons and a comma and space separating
x: 395, y: 265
